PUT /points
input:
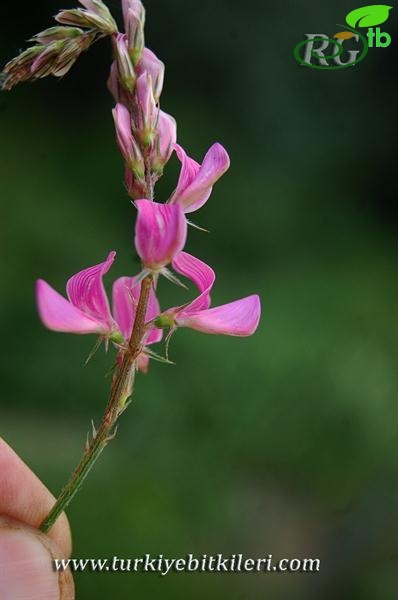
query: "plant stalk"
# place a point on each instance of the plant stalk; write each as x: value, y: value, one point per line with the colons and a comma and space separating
x: 120, y: 391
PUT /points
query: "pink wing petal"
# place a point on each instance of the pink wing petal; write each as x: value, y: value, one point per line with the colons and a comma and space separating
x: 160, y: 232
x: 239, y: 318
x: 86, y: 291
x: 194, y: 191
x: 201, y: 275
x: 126, y: 293
x: 58, y: 314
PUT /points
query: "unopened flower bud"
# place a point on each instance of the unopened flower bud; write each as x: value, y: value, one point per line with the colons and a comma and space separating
x: 136, y: 6
x: 147, y: 110
x: 59, y: 56
x: 46, y: 61
x: 53, y: 34
x: 134, y: 23
x: 62, y: 47
x: 125, y: 67
x: 126, y: 142
x: 18, y: 69
x: 150, y: 64
x: 95, y: 14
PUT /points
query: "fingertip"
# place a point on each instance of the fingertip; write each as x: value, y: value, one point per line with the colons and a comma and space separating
x: 27, y: 568
x: 26, y: 499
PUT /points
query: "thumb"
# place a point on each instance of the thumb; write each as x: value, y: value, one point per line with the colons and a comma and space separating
x: 26, y: 565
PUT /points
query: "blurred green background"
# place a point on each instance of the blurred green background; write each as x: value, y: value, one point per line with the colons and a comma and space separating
x: 284, y: 443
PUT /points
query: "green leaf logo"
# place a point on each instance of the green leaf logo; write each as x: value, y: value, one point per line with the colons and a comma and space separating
x: 368, y: 16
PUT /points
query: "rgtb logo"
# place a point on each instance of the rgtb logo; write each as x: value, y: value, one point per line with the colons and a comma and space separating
x: 348, y: 47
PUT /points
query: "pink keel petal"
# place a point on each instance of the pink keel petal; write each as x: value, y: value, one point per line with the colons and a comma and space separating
x: 160, y: 232
x: 86, y: 291
x: 239, y: 318
x: 58, y: 314
x: 202, y: 276
x: 126, y: 293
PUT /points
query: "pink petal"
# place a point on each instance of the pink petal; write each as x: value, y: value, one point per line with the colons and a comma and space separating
x: 202, y: 276
x: 239, y: 318
x: 194, y: 188
x: 126, y: 293
x: 86, y: 291
x: 160, y: 233
x: 58, y: 314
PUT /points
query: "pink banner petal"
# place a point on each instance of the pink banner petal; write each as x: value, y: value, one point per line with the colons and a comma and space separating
x: 160, y: 233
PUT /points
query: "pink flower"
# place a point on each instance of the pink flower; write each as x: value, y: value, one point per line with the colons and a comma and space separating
x: 87, y: 308
x: 239, y: 318
x: 196, y: 181
x: 160, y: 233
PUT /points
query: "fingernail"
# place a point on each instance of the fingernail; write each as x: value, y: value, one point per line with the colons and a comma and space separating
x: 26, y: 568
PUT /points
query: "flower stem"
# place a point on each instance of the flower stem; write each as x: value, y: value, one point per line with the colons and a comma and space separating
x: 120, y: 391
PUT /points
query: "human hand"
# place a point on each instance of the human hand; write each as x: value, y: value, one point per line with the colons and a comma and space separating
x: 26, y: 554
